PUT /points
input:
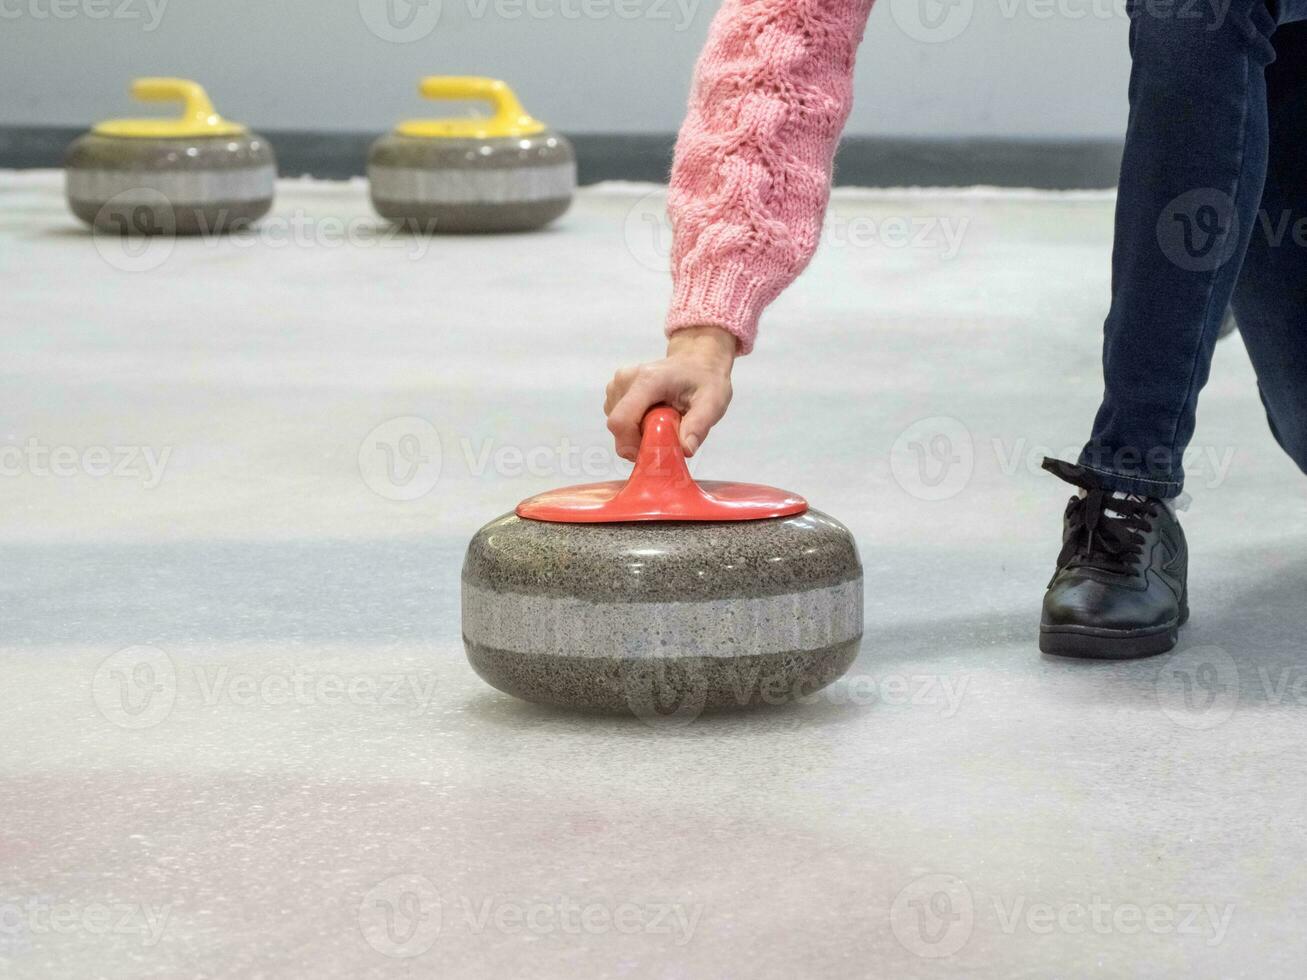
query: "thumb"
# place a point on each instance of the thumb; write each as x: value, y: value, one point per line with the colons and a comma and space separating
x: 705, y: 411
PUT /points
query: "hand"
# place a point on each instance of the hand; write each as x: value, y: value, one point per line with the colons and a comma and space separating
x: 694, y: 378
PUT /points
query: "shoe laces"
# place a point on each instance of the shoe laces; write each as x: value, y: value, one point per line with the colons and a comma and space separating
x: 1106, y: 531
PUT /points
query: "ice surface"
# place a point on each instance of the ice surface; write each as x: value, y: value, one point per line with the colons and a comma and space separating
x: 238, y: 735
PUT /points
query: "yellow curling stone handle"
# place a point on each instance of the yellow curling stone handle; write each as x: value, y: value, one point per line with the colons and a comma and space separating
x: 509, y: 118
x: 198, y: 117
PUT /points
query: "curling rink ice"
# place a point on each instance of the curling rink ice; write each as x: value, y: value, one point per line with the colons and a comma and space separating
x: 238, y: 734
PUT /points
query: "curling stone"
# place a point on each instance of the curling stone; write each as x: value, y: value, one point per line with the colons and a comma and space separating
x: 662, y: 592
x: 193, y: 174
x: 505, y: 172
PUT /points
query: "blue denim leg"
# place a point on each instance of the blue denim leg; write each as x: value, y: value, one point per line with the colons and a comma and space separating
x: 1270, y: 301
x: 1192, y: 178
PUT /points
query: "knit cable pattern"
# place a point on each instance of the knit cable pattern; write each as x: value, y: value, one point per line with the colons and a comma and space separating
x: 751, y: 174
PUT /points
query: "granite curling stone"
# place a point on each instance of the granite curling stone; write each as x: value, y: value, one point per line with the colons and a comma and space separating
x: 662, y: 594
x: 505, y: 172
x: 194, y: 174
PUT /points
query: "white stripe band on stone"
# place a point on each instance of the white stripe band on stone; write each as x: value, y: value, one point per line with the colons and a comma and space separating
x: 466, y: 186
x: 562, y: 626
x: 182, y: 188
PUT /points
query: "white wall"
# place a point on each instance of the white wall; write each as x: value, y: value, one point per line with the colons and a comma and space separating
x: 1016, y: 68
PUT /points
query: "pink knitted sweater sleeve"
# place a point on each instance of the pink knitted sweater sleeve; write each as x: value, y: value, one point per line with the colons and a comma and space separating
x: 751, y: 175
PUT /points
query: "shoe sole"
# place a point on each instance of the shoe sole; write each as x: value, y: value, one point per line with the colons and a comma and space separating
x: 1089, y: 643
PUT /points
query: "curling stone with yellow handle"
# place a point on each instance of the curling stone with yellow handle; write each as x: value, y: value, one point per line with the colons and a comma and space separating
x: 504, y: 172
x: 195, y: 173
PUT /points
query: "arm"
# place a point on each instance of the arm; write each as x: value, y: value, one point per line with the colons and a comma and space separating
x: 749, y: 188
x: 751, y: 177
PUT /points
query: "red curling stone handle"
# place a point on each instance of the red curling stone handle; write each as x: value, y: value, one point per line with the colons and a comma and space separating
x: 660, y: 488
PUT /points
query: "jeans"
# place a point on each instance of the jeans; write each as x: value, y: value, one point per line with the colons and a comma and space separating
x: 1211, y: 212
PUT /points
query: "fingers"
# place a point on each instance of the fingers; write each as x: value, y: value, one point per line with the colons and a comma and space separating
x: 645, y: 391
x: 618, y: 387
x: 706, y: 409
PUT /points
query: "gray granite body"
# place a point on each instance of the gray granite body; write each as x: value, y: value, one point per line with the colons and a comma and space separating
x: 620, y: 617
x: 204, y: 185
x: 472, y: 185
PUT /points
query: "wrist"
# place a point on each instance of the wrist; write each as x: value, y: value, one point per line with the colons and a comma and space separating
x: 711, y: 344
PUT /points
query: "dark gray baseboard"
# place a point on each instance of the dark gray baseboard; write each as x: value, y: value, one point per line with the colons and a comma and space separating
x: 862, y: 161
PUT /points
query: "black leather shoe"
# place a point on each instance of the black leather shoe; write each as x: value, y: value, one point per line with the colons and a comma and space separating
x: 1120, y: 586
